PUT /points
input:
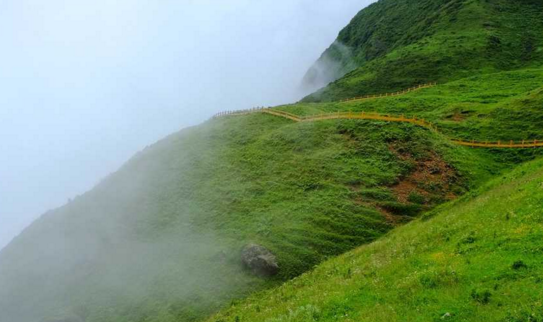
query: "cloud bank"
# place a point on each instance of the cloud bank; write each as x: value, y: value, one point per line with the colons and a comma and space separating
x: 85, y: 84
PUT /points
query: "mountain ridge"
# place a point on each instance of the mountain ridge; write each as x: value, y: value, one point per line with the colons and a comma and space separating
x: 430, y: 41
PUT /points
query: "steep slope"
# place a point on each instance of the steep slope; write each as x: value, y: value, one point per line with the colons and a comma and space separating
x: 373, y: 33
x: 160, y: 239
x: 475, y: 259
x: 397, y: 44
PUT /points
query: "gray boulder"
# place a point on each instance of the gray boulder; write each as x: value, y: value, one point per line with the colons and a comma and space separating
x: 259, y: 260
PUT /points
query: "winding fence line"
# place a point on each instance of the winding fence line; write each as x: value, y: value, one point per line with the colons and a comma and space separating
x: 367, y: 97
x: 387, y: 118
x: 525, y: 144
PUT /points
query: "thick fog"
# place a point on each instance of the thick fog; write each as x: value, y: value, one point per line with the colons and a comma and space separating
x: 86, y: 84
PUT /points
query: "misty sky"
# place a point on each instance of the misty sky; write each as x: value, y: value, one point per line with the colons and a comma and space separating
x: 85, y: 84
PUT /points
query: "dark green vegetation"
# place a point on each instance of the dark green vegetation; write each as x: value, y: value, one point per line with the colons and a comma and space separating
x: 475, y: 259
x: 160, y: 240
x: 394, y: 45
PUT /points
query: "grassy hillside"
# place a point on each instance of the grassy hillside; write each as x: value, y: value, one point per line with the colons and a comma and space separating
x: 376, y: 31
x: 497, y: 106
x: 160, y: 240
x: 398, y: 44
x: 475, y: 259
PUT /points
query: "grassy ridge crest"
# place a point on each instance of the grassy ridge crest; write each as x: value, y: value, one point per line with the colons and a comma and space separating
x: 398, y: 44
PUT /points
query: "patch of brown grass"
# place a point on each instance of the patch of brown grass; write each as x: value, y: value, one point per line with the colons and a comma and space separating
x: 430, y: 177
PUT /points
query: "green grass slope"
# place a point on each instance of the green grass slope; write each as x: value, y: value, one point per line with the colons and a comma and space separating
x: 376, y: 31
x: 393, y: 45
x: 160, y: 239
x: 475, y: 259
x: 498, y: 106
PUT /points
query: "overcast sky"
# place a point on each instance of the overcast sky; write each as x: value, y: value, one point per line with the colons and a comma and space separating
x: 84, y: 84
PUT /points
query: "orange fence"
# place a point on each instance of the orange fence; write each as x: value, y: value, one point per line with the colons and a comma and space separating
x: 260, y: 110
x: 507, y: 144
x: 388, y: 118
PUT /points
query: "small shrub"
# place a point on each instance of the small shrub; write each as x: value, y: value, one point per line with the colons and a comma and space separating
x: 482, y: 297
x: 397, y: 208
x: 428, y: 281
x: 518, y: 265
x: 469, y: 239
x: 416, y: 198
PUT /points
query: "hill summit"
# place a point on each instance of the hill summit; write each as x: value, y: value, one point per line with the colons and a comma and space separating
x: 393, y: 45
